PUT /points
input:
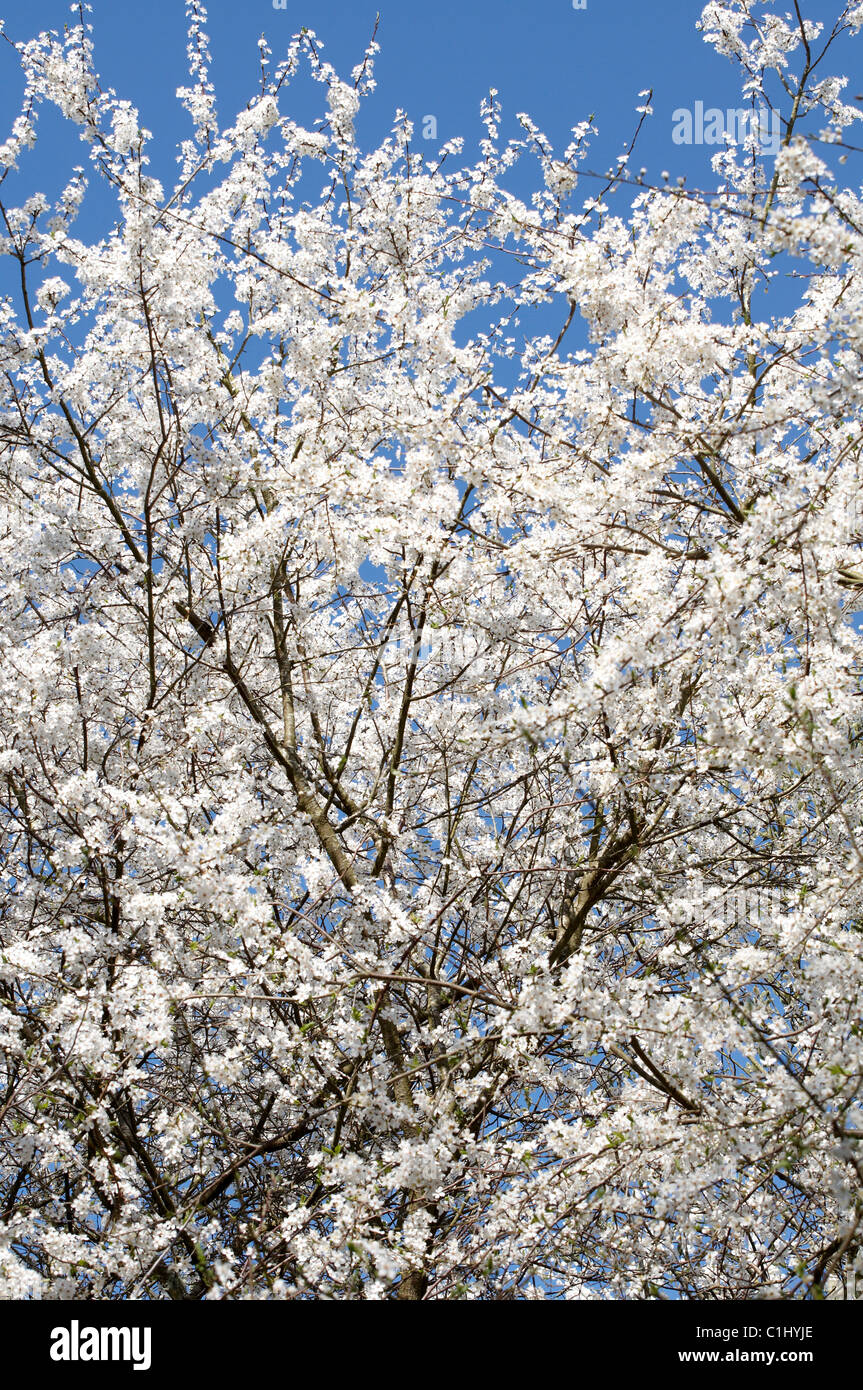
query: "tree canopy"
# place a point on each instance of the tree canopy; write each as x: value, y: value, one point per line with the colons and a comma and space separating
x: 429, y: 769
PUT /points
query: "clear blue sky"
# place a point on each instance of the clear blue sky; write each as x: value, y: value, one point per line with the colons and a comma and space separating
x: 438, y: 58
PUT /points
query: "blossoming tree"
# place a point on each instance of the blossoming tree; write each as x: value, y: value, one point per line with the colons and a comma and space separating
x: 430, y: 793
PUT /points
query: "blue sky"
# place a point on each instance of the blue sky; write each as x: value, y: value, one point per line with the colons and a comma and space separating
x: 439, y: 58
x: 557, y: 63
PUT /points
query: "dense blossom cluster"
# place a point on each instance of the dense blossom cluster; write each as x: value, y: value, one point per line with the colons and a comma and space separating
x: 420, y: 608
